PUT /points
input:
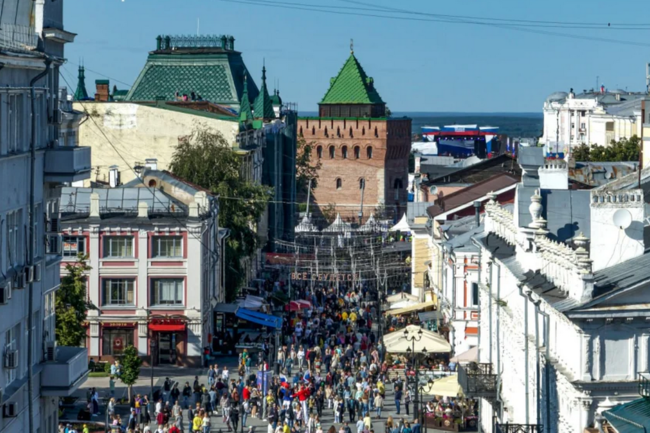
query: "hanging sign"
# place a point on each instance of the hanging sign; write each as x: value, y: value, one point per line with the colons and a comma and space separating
x: 321, y: 277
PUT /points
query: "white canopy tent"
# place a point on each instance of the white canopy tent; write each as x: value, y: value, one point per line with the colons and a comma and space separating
x: 339, y: 226
x: 305, y: 226
x: 371, y: 225
x: 401, y: 297
x: 402, y: 341
x: 402, y: 304
x: 466, y: 357
x: 446, y: 387
x: 401, y: 226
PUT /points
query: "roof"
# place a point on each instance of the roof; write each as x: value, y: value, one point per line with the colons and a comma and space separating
x: 471, y: 193
x: 485, y: 169
x: 195, y: 108
x: 245, y: 109
x: 172, y: 179
x: 600, y: 173
x: 632, y: 417
x: 352, y: 86
x: 263, y: 107
x: 621, y: 276
x: 105, y: 82
x: 275, y: 99
x: 217, y: 76
x: 81, y: 94
x: 567, y: 212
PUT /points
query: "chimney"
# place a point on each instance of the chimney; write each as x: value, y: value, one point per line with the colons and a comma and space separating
x: 477, y: 212
x: 102, y: 94
x: 113, y: 176
x: 151, y: 163
x: 194, y: 210
x: 94, y: 205
x: 143, y: 210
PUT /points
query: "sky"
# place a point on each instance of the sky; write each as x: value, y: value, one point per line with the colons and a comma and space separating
x: 418, y: 65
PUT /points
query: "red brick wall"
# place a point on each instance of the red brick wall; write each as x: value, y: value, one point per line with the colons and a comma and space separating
x: 390, y: 141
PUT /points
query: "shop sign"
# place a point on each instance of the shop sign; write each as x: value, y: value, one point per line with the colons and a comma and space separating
x: 119, y: 324
x: 321, y: 277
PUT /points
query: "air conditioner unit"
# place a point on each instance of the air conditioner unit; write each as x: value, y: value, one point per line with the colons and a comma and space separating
x: 29, y: 274
x: 18, y: 281
x: 50, y: 351
x: 11, y: 359
x: 37, y: 272
x: 10, y: 410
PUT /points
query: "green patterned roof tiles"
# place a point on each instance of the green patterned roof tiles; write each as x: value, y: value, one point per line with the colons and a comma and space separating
x: 352, y: 86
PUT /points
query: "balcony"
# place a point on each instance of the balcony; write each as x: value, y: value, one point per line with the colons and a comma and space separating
x: 478, y: 380
x: 62, y: 377
x: 67, y: 164
x: 644, y: 384
x: 518, y: 428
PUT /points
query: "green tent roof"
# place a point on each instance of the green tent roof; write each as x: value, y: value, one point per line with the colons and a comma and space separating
x: 263, y: 107
x: 245, y: 111
x: 216, y: 76
x: 81, y: 94
x: 352, y: 86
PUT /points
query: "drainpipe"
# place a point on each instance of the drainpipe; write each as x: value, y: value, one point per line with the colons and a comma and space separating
x: 453, y: 291
x: 491, y: 264
x: 537, y: 362
x: 498, y: 308
x: 521, y: 293
x: 480, y: 320
x: 547, y: 371
x: 32, y: 237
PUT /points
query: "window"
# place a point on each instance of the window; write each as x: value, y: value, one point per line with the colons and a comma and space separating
x: 73, y: 245
x: 573, y: 125
x: 167, y: 291
x: 369, y: 152
x: 362, y: 183
x: 118, y: 292
x: 339, y: 183
x: 118, y: 246
x: 397, y: 184
x: 582, y: 126
x: 357, y: 152
x: 38, y: 213
x: 15, y: 123
x: 319, y: 152
x: 14, y: 222
x: 11, y: 343
x: 167, y: 246
x: 475, y: 294
x: 114, y: 341
x: 344, y: 152
x: 332, y: 152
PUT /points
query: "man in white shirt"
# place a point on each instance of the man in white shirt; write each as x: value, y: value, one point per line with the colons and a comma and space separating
x: 225, y: 374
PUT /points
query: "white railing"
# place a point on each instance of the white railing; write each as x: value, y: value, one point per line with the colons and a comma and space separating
x: 500, y: 222
x: 18, y: 37
x: 560, y: 264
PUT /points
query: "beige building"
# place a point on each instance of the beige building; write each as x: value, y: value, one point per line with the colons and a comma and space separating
x: 139, y: 131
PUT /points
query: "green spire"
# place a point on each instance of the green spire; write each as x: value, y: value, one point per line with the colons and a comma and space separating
x: 352, y: 86
x: 245, y: 112
x: 80, y: 94
x: 263, y: 107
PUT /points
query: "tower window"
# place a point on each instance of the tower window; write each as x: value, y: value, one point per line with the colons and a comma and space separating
x: 319, y: 151
x: 369, y: 152
x: 362, y: 183
x: 344, y: 152
x: 397, y: 184
x: 357, y: 152
x: 339, y: 183
x: 332, y: 152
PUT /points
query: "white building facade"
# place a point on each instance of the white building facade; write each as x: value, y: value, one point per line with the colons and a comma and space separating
x: 31, y: 51
x: 157, y: 266
x: 563, y: 329
x: 592, y: 118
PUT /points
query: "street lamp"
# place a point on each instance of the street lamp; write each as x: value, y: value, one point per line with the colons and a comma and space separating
x: 412, y: 338
x: 422, y: 389
x: 152, y: 344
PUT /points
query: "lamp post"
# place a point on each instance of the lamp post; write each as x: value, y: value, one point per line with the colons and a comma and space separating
x: 152, y: 344
x: 422, y: 389
x: 412, y: 339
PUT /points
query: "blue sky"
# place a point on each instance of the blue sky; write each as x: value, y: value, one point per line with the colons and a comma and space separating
x: 417, y: 66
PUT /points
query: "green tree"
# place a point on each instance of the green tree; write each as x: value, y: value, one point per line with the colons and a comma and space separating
x: 581, y: 153
x: 70, y: 304
x: 305, y: 169
x: 207, y: 159
x: 622, y: 150
x: 130, y: 364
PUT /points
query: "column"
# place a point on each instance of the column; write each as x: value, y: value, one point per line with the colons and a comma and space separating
x: 142, y: 238
x: 94, y: 339
x: 143, y: 341
x: 586, y: 357
x: 94, y: 291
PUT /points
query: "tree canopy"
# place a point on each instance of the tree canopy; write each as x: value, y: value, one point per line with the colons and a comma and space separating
x: 130, y: 367
x: 205, y: 158
x: 70, y: 304
x: 622, y: 150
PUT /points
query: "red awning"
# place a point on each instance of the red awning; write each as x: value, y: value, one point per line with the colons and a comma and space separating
x: 471, y: 330
x: 167, y: 327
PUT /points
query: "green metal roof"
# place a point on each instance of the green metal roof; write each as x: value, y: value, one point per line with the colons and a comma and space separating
x: 263, y: 107
x: 245, y: 111
x: 632, y: 417
x: 275, y: 99
x: 352, y: 86
x: 81, y: 94
x: 101, y: 81
x: 217, y: 77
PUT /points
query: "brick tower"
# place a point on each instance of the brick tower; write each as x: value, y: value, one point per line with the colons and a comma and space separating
x: 361, y: 148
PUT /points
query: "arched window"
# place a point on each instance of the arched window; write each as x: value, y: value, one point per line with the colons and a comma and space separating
x: 152, y: 183
x: 357, y: 152
x: 332, y: 152
x: 344, y: 152
x: 397, y: 184
x: 301, y: 131
x: 369, y: 152
x: 339, y: 183
x: 319, y: 151
x: 362, y: 183
x: 313, y: 131
x: 351, y: 135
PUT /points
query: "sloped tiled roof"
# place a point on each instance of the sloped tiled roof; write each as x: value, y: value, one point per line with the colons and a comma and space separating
x: 352, y: 86
x: 216, y: 77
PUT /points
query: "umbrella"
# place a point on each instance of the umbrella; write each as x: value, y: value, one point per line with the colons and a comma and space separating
x: 396, y: 342
x: 468, y: 356
x: 446, y: 387
x: 304, y: 304
x: 294, y: 306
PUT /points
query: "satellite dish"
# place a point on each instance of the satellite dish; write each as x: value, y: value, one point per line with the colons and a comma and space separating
x: 622, y: 218
x: 433, y: 190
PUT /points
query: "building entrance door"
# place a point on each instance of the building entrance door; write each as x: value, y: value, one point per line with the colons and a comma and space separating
x: 167, y: 348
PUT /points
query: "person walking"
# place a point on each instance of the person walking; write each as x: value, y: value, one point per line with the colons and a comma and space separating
x: 234, y: 418
x: 379, y: 404
x: 187, y: 394
x: 398, y: 398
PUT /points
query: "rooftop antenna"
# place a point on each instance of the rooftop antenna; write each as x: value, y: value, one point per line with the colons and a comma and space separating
x: 351, y: 46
